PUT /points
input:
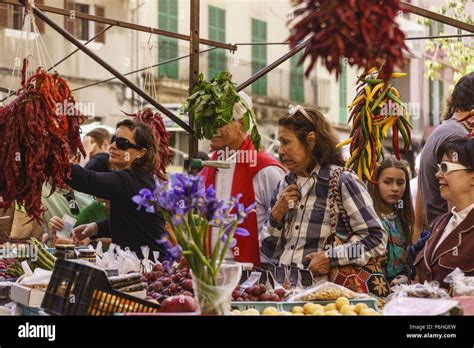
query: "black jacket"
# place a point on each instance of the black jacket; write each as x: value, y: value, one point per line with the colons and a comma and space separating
x: 99, y: 163
x: 127, y: 226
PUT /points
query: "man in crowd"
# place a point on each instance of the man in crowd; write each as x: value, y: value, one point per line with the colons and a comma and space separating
x: 96, y: 143
x: 254, y: 174
x: 459, y: 105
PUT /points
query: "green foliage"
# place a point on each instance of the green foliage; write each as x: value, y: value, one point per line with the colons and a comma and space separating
x: 459, y: 54
x: 212, y: 104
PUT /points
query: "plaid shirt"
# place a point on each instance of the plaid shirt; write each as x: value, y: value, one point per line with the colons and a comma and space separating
x: 305, y: 228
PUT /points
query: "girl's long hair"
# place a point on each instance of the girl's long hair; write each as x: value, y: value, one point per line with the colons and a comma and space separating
x: 407, y: 212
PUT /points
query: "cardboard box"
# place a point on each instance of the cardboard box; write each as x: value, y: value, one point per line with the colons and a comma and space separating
x: 26, y: 296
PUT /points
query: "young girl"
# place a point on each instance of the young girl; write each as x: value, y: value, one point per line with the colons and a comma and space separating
x: 393, y: 204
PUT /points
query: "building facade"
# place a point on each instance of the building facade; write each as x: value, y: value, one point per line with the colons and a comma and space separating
x: 247, y: 23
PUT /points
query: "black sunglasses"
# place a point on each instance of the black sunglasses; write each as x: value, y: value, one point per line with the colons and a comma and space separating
x: 123, y: 144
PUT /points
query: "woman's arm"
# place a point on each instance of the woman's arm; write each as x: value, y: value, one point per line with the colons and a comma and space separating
x: 104, y: 228
x: 369, y: 238
x: 103, y: 185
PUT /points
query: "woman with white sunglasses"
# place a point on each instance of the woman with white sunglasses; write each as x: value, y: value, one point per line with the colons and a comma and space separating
x: 451, y: 243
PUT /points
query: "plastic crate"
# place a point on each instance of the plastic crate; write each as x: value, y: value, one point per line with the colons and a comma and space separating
x: 287, y: 306
x: 79, y: 289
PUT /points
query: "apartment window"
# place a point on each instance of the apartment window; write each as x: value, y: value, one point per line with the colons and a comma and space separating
x: 83, y: 29
x: 259, y: 55
x: 168, y: 47
x: 343, y: 93
x: 440, y: 28
x: 296, y: 79
x: 217, y: 61
x: 11, y: 17
x: 18, y: 17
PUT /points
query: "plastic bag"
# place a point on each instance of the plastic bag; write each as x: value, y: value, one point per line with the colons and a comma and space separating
x: 146, y: 263
x: 425, y: 290
x: 325, y: 291
x: 461, y: 285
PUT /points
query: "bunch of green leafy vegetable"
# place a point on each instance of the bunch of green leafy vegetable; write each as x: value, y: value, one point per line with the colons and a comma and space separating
x: 212, y: 104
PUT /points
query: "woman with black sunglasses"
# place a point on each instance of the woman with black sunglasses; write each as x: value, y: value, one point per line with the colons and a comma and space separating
x: 133, y: 155
x: 451, y: 244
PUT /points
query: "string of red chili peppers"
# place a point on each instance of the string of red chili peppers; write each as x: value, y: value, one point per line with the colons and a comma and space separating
x: 39, y: 131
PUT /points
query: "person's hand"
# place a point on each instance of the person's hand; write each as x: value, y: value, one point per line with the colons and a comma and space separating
x: 288, y: 199
x: 319, y: 264
x: 56, y: 224
x: 83, y: 231
x: 44, y: 238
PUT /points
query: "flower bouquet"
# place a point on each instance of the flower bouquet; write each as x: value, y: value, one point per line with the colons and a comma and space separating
x: 191, y: 210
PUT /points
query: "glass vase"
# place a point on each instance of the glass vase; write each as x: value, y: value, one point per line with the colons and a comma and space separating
x: 216, y: 300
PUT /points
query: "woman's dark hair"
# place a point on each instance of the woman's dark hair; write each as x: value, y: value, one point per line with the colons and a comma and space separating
x: 462, y: 147
x: 407, y: 212
x: 462, y: 98
x: 144, y: 137
x: 325, y: 151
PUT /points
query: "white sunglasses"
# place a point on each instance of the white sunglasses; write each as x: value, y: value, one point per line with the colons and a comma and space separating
x: 448, y: 167
x: 292, y: 110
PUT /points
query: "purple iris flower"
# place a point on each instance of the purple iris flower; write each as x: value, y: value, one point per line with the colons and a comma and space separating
x: 173, y: 252
x: 178, y: 216
x: 239, y: 231
x: 243, y: 212
x: 144, y: 198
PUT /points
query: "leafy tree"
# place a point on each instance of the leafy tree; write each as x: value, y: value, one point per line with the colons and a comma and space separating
x: 459, y: 53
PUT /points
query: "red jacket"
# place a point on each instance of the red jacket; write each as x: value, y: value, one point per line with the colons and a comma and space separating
x: 457, y: 250
x: 247, y: 248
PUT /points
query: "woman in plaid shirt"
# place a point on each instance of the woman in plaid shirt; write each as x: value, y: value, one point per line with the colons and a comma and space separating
x: 299, y: 223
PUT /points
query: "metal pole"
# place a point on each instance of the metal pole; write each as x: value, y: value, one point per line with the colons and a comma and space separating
x: 193, y: 68
x: 121, y: 24
x: 141, y: 69
x: 77, y: 49
x: 112, y: 70
x: 407, y: 38
x: 437, y: 17
x: 273, y: 65
x: 439, y: 37
x: 63, y: 59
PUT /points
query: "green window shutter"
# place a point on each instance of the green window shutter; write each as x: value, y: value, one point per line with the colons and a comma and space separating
x: 259, y: 55
x: 431, y: 97
x: 168, y: 47
x: 296, y: 79
x: 440, y: 28
x: 441, y: 96
x: 217, y: 60
x: 343, y: 93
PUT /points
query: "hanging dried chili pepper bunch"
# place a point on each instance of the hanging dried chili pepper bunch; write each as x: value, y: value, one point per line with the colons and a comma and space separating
x: 39, y: 130
x: 155, y: 121
x: 375, y: 109
x: 364, y: 31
